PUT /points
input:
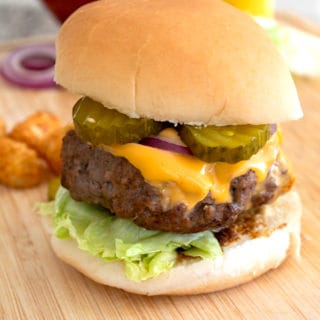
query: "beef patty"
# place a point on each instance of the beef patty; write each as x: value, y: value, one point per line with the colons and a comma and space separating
x: 94, y: 175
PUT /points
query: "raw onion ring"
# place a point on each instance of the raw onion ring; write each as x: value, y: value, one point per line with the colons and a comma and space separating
x: 30, y: 66
x: 163, y: 144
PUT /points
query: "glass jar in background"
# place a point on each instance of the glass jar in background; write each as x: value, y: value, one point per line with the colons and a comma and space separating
x: 63, y: 8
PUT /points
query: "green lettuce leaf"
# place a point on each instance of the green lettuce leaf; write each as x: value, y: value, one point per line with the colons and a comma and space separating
x: 300, y: 50
x: 145, y: 253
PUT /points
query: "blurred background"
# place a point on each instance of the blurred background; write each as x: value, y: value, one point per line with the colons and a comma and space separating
x: 31, y: 18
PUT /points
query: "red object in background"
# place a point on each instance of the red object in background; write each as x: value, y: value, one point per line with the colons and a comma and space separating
x: 63, y: 8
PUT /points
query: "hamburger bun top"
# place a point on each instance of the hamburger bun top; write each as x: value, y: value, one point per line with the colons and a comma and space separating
x: 185, y: 61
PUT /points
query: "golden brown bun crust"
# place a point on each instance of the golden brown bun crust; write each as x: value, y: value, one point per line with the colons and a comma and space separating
x: 240, y: 263
x: 187, y: 61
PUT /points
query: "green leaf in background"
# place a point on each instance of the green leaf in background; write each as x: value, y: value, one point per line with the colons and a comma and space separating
x: 300, y: 50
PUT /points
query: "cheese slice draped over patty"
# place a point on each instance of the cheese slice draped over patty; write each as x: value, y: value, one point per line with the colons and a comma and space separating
x: 186, y: 178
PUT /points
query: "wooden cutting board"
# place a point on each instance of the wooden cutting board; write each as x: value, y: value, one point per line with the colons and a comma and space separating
x: 34, y: 284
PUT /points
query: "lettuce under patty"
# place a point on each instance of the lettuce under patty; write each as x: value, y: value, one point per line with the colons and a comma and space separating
x: 145, y: 253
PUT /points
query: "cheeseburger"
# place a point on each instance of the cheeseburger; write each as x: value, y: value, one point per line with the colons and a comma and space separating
x: 173, y: 179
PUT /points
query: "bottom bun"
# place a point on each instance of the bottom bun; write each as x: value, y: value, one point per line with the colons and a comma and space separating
x: 240, y: 263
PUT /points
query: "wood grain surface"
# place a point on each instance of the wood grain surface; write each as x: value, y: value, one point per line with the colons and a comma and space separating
x: 34, y: 284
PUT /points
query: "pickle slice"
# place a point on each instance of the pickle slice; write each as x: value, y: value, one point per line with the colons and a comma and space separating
x: 53, y: 187
x: 226, y: 143
x: 97, y: 124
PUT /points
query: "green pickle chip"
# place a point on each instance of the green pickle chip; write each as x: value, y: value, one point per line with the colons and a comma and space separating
x: 225, y: 143
x: 97, y: 124
x: 53, y: 187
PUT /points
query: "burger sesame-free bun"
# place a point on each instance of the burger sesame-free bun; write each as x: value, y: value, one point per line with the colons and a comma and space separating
x: 187, y: 61
x: 240, y: 263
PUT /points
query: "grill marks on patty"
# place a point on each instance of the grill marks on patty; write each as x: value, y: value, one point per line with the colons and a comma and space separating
x: 94, y: 175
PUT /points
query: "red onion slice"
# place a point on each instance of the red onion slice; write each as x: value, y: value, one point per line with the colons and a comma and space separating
x: 38, y: 62
x: 30, y: 66
x: 159, y: 143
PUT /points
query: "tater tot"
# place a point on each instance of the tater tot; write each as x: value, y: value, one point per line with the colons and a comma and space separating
x: 20, y: 166
x: 2, y: 127
x: 51, y: 148
x: 34, y: 129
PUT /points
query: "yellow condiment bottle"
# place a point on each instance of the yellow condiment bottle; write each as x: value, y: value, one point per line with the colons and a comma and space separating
x: 262, y: 8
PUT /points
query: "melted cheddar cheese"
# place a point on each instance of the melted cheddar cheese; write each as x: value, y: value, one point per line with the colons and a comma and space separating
x: 185, y: 178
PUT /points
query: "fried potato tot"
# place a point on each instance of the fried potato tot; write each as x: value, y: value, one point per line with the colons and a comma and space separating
x: 20, y: 166
x: 51, y: 148
x: 34, y: 129
x: 2, y: 127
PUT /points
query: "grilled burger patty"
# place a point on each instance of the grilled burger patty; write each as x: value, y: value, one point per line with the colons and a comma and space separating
x: 95, y: 176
